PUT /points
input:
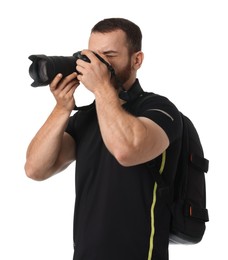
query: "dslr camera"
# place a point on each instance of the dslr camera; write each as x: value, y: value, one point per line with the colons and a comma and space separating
x: 44, y: 68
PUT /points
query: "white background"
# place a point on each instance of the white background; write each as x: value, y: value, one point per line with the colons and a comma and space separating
x: 186, y: 58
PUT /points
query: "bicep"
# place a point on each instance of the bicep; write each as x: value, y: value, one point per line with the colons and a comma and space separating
x: 155, y: 142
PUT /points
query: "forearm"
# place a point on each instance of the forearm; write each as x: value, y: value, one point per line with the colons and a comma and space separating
x: 44, y: 149
x: 122, y: 133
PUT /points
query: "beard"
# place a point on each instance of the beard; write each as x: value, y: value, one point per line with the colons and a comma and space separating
x: 124, y: 75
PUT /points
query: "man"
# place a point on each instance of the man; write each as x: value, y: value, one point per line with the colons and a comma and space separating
x: 119, y: 214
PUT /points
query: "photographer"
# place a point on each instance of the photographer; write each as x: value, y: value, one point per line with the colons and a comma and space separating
x: 119, y: 214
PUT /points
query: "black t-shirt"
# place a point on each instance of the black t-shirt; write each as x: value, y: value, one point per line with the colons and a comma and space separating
x: 119, y: 214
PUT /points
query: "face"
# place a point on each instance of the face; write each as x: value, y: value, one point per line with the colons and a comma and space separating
x: 114, y: 46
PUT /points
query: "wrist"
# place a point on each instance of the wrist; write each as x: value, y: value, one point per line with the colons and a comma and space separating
x: 107, y: 92
x: 61, y: 111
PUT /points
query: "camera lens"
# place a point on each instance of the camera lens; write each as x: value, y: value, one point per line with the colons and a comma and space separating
x: 45, y: 68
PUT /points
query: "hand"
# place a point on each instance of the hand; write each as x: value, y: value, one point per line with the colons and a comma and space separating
x: 94, y: 74
x: 63, y: 90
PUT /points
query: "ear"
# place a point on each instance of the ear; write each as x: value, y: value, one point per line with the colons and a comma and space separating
x: 138, y: 59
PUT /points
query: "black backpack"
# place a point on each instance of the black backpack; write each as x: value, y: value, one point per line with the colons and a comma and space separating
x: 188, y: 207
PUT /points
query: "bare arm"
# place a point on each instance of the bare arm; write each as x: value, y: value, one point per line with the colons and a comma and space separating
x: 130, y: 139
x: 52, y: 150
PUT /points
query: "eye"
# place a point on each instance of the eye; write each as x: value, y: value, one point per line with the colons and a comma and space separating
x: 110, y: 56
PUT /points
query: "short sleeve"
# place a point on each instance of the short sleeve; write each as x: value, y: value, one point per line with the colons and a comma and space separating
x: 164, y: 113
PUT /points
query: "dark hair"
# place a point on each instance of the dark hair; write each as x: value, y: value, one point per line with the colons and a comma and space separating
x: 132, y: 31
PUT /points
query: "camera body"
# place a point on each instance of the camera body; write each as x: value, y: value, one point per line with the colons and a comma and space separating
x: 44, y: 68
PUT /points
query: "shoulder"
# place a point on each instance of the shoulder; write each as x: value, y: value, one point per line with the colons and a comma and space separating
x: 152, y: 102
x: 153, y: 99
x: 161, y: 110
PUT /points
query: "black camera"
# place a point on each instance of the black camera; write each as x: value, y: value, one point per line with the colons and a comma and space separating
x: 44, y: 68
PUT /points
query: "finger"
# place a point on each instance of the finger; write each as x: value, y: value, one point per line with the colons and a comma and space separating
x: 65, y: 81
x: 55, y: 81
x: 80, y: 64
x: 73, y: 84
x: 90, y: 55
x: 60, y: 85
x: 72, y: 90
x: 93, y: 56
